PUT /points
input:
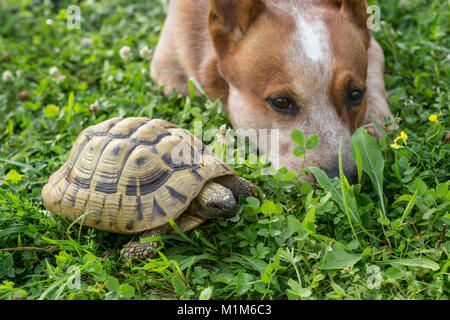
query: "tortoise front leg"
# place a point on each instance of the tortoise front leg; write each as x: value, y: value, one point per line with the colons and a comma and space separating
x: 146, y: 250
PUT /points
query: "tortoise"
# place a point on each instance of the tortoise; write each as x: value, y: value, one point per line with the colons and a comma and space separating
x: 131, y: 175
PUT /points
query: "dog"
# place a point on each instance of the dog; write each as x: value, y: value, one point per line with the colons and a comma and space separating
x: 311, y: 65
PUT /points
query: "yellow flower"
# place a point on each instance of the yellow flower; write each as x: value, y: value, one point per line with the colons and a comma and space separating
x: 403, y: 136
x: 433, y: 118
x: 396, y: 146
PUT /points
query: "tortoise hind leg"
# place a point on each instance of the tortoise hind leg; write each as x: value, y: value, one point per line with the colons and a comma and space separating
x: 238, y: 186
x: 145, y: 250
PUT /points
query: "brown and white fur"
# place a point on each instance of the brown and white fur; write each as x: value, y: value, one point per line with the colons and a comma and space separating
x: 248, y: 51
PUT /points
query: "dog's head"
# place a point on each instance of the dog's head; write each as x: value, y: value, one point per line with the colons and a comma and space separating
x: 295, y: 65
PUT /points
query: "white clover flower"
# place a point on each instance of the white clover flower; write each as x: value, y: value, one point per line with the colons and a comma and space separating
x: 125, y: 53
x: 146, y: 53
x: 223, y: 129
x: 57, y: 76
x: 94, y: 107
x: 226, y: 135
x: 144, y: 71
x: 53, y: 71
x: 403, y: 3
x: 86, y: 42
x: 230, y: 136
x: 49, y: 22
x: 60, y: 78
x: 7, y: 76
x: 150, y: 85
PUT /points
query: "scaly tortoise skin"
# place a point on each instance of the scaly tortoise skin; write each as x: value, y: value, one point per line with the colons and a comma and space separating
x: 120, y: 173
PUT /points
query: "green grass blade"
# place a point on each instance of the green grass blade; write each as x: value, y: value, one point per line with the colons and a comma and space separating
x: 358, y: 160
x: 410, y: 206
x: 193, y: 82
x: 180, y: 232
x: 343, y: 179
x: 417, y: 263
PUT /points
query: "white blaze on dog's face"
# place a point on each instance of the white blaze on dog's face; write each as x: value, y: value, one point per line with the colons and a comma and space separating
x: 296, y: 65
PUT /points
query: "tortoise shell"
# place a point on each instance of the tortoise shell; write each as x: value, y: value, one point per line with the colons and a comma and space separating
x: 122, y: 174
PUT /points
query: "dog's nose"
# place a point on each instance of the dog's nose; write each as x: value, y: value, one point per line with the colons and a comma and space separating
x: 350, y: 173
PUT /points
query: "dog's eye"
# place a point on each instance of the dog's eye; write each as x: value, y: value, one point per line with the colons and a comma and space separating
x: 283, y: 105
x: 354, y: 97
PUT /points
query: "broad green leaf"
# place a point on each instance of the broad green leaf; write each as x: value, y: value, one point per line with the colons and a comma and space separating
x: 254, y: 202
x: 294, y: 224
x: 339, y: 259
x: 51, y: 111
x: 312, y: 142
x: 254, y: 263
x: 298, y: 137
x: 179, y: 286
x: 268, y: 207
x: 308, y: 221
x: 267, y: 273
x: 420, y: 185
x: 441, y: 190
x: 372, y: 161
x: 126, y: 291
x: 299, y: 151
x: 385, y: 221
x: 206, y: 293
x: 112, y: 284
x: 289, y: 176
x: 242, y: 283
x: 297, y: 289
x: 13, y: 176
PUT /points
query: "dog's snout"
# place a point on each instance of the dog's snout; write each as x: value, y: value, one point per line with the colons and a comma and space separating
x: 350, y: 173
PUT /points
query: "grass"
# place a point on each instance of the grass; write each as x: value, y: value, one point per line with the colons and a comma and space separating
x: 383, y: 240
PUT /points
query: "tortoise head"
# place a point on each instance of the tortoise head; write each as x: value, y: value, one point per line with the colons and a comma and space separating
x: 215, y: 202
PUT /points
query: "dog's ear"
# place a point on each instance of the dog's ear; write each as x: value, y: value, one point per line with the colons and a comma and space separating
x: 229, y: 20
x: 356, y: 12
